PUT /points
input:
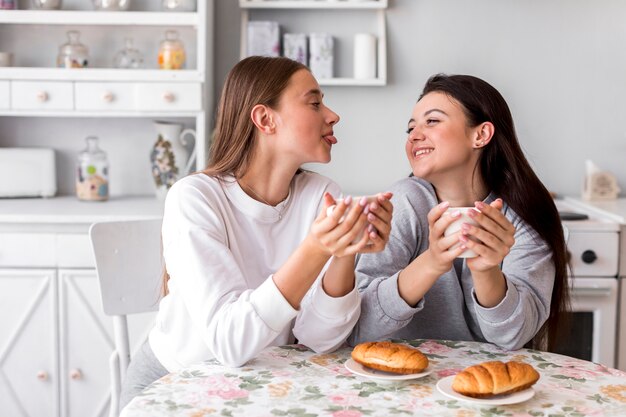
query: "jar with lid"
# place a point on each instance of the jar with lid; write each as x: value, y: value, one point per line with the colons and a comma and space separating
x: 111, y: 5
x: 171, y: 52
x: 92, y: 172
x: 73, y: 54
x: 129, y: 57
x: 179, y: 5
x: 47, y: 4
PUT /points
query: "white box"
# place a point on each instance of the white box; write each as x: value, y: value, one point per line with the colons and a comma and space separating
x: 321, y: 59
x: 263, y: 38
x: 295, y: 47
x: 27, y: 172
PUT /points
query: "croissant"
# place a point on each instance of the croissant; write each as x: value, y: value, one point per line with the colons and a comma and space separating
x: 390, y: 357
x: 494, y: 378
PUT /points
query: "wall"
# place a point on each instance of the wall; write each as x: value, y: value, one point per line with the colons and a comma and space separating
x: 560, y: 64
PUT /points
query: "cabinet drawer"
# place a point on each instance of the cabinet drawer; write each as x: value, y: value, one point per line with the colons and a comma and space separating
x: 169, y: 96
x: 104, y: 96
x: 27, y: 250
x: 74, y: 251
x: 38, y: 95
x: 4, y: 95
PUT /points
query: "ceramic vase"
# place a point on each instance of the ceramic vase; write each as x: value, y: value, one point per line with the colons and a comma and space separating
x: 172, y: 155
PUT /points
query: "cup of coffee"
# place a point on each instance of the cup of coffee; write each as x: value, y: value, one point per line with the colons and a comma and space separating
x: 455, y: 227
x: 355, y: 200
x: 6, y: 59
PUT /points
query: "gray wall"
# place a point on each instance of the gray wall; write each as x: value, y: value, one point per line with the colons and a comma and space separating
x: 560, y: 64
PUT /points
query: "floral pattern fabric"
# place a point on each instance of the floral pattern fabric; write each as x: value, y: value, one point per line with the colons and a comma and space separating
x: 292, y: 381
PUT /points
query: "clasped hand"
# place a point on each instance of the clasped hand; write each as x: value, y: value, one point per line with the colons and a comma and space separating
x: 345, y: 231
x: 492, y: 239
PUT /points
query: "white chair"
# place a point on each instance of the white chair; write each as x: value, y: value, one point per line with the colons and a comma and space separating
x: 129, y: 266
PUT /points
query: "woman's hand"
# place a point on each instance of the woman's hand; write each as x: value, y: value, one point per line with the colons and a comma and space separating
x: 379, y: 213
x: 439, y: 253
x: 492, y: 241
x: 336, y: 236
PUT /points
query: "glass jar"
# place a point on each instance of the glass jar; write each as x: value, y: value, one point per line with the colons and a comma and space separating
x: 92, y: 172
x: 171, y: 52
x: 73, y: 54
x: 128, y: 57
x: 111, y: 5
x: 179, y: 5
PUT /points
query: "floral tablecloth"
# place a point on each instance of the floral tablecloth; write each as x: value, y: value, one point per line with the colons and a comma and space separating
x: 292, y: 381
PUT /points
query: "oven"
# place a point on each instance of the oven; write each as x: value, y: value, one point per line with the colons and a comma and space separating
x: 593, y: 246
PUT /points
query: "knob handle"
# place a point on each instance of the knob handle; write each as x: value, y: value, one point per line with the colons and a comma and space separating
x: 42, y: 96
x: 169, y: 97
x: 76, y: 374
x: 42, y: 375
x: 108, y: 97
x: 589, y: 256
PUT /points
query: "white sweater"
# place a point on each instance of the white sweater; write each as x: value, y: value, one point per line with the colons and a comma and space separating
x: 221, y: 248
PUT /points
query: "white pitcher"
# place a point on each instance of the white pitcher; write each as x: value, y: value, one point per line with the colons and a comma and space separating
x: 170, y: 157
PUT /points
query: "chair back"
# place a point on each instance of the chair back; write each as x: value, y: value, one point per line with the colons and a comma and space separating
x: 129, y: 265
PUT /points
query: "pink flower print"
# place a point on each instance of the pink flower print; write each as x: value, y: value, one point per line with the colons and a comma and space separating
x: 223, y: 387
x: 433, y: 348
x: 230, y: 394
x: 347, y: 413
x: 447, y: 372
x: 576, y: 373
x: 341, y: 370
x: 346, y: 400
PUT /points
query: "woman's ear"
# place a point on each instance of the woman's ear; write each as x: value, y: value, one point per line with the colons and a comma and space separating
x: 484, y: 133
x: 262, y: 117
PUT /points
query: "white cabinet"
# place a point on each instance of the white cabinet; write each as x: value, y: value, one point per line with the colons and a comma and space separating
x: 340, y: 18
x: 55, y: 341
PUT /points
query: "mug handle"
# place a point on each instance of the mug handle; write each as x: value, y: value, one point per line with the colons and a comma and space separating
x: 183, y: 141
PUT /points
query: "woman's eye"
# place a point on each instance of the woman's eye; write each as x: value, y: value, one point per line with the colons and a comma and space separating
x: 316, y: 104
x: 431, y: 121
x: 409, y: 130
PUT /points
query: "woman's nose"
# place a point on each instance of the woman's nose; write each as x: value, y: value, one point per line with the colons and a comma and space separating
x: 332, y: 117
x: 414, y: 135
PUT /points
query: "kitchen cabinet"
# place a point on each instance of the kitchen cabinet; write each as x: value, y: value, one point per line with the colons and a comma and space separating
x: 342, y: 19
x: 55, y: 341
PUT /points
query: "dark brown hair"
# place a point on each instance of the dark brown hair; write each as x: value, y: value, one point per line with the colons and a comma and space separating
x: 507, y: 173
x: 254, y: 80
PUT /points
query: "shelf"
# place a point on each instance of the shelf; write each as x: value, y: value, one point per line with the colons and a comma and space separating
x: 75, y: 17
x: 98, y: 114
x: 312, y: 4
x: 351, y: 81
x: 100, y: 74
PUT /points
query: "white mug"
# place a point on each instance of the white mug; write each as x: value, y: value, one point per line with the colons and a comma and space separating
x: 455, y: 227
x: 355, y: 200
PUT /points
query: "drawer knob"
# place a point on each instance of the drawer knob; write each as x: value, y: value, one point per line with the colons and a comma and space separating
x: 169, y: 97
x: 589, y: 257
x: 42, y: 375
x: 76, y: 374
x: 108, y: 97
x: 42, y: 96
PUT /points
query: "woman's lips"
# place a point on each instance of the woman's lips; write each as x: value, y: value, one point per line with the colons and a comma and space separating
x: 330, y: 139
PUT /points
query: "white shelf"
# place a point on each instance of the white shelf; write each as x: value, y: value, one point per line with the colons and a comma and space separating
x: 100, y: 74
x: 312, y: 4
x: 78, y: 18
x: 351, y: 81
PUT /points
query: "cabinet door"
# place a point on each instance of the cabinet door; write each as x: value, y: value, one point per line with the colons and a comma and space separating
x: 29, y: 383
x: 104, y: 96
x: 42, y: 95
x: 87, y: 343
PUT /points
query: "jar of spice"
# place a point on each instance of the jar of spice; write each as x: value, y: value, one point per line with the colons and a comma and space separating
x: 73, y: 54
x: 171, y: 52
x: 92, y: 172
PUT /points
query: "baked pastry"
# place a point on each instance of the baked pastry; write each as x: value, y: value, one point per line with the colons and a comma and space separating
x: 390, y: 357
x: 488, y: 379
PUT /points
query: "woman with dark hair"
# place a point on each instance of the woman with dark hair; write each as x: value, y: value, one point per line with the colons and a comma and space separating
x: 464, y: 151
x: 252, y: 257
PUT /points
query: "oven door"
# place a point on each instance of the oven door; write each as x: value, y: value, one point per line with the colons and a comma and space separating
x: 593, y: 321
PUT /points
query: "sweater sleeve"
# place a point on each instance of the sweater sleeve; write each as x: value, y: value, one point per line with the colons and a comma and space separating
x: 234, y: 321
x: 383, y: 311
x: 324, y: 322
x: 529, y: 272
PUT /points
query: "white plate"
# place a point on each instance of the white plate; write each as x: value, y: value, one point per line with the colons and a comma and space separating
x: 380, y: 376
x: 444, y: 386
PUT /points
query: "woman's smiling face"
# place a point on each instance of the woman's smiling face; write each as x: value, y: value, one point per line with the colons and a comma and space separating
x: 439, y: 139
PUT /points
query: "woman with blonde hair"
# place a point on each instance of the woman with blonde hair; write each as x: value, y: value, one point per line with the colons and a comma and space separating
x: 253, y: 257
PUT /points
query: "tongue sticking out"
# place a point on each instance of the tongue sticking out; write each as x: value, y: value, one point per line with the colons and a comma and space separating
x: 330, y: 139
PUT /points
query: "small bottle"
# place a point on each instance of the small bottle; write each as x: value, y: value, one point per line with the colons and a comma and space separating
x: 178, y: 5
x: 8, y: 4
x: 73, y: 54
x: 92, y: 172
x: 128, y: 57
x: 171, y: 52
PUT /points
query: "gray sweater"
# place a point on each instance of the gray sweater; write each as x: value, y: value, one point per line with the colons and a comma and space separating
x: 449, y: 310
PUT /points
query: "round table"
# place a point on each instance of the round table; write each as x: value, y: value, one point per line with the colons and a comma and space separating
x: 295, y: 382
